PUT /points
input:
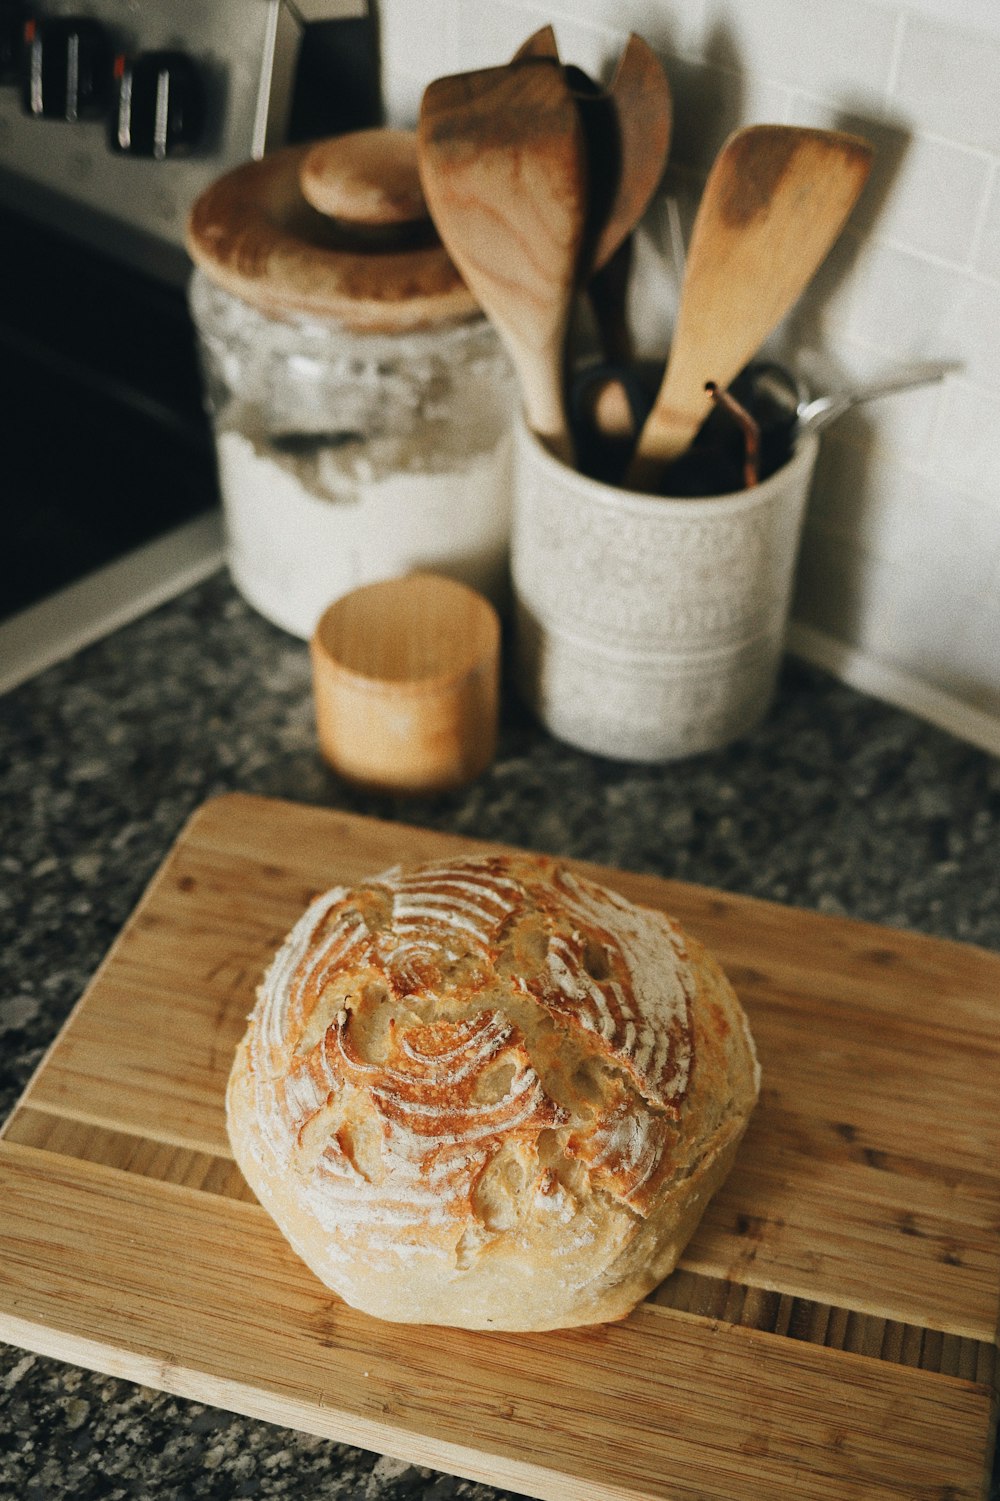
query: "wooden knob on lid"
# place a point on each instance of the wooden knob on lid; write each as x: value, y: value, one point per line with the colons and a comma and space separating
x: 321, y: 230
x: 406, y: 678
x: 369, y: 178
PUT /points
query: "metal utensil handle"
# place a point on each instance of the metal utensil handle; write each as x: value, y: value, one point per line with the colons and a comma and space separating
x: 819, y: 413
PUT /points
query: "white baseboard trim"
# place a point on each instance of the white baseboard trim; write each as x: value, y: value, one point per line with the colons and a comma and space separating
x: 859, y: 670
x: 82, y: 613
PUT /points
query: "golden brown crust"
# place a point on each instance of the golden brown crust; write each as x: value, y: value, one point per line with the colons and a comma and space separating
x: 490, y: 1093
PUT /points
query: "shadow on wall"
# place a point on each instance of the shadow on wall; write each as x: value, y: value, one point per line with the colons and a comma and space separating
x: 709, y: 104
x: 844, y: 503
x: 806, y: 328
x: 817, y: 338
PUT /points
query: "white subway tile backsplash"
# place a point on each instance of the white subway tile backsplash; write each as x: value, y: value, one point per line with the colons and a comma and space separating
x: 669, y: 26
x: 934, y: 201
x: 654, y: 288
x: 967, y: 451
x: 947, y: 80
x: 897, y: 300
x: 487, y: 35
x: 914, y: 616
x: 976, y: 15
x: 823, y: 314
x: 969, y: 325
x: 594, y: 48
x: 403, y: 91
x: 841, y: 506
x: 839, y: 49
x: 977, y: 652
x: 901, y: 426
x: 912, y: 307
x: 924, y: 192
x: 841, y: 591
x: 906, y: 568
x: 416, y: 44
x: 710, y: 102
x: 937, y: 608
x: 879, y: 503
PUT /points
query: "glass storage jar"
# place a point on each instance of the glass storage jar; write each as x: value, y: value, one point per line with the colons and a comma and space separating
x: 361, y: 403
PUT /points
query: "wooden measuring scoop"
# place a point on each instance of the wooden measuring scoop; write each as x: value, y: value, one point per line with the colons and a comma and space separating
x: 776, y: 199
x: 503, y: 167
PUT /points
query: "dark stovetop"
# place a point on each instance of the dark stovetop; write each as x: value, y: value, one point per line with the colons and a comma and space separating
x: 105, y: 439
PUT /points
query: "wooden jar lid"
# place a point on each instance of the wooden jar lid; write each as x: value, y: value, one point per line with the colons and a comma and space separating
x: 406, y: 677
x: 255, y: 233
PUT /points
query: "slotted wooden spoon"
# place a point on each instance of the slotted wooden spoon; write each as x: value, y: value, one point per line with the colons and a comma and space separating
x: 503, y: 165
x: 776, y: 199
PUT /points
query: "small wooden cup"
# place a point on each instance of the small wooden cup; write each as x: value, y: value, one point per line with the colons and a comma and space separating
x: 406, y: 678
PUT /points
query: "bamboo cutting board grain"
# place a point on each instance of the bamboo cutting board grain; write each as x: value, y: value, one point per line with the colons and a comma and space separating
x: 831, y: 1332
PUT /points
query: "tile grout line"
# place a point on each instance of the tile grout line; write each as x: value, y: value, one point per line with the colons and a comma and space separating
x: 982, y: 219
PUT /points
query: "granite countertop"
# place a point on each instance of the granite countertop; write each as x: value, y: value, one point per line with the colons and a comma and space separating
x: 837, y: 803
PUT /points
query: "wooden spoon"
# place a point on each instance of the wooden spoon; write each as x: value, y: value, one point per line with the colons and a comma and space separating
x: 602, y: 144
x: 775, y: 200
x: 503, y: 166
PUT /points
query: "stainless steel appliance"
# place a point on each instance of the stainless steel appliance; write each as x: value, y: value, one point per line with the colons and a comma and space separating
x: 114, y: 114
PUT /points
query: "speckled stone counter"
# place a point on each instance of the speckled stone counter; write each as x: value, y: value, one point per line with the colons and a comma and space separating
x: 837, y: 802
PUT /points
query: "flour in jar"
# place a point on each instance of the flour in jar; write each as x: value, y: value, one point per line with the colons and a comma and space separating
x: 305, y: 529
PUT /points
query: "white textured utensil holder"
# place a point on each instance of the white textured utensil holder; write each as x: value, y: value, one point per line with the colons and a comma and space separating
x: 650, y: 628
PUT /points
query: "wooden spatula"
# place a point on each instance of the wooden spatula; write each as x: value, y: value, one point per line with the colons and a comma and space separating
x: 775, y: 200
x: 627, y: 129
x: 503, y: 166
x: 541, y: 43
x: 640, y: 117
x: 643, y: 110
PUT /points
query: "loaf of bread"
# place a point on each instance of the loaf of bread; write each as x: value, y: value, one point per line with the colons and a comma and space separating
x: 488, y: 1092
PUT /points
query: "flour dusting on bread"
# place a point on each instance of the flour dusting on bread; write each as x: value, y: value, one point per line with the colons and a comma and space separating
x: 490, y: 1092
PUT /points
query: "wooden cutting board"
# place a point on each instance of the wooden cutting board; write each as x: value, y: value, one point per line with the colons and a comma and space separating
x: 831, y: 1332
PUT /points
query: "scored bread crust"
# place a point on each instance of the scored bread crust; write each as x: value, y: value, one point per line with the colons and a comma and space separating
x: 488, y: 1092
